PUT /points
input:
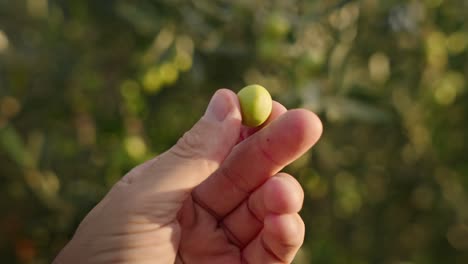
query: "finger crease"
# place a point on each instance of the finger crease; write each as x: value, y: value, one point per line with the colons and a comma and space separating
x: 252, y: 211
x: 269, y: 250
x: 233, y: 239
x: 203, y: 205
x: 268, y: 156
x: 226, y: 173
x: 181, y: 259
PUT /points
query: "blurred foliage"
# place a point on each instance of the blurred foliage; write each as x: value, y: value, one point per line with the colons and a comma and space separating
x: 89, y: 89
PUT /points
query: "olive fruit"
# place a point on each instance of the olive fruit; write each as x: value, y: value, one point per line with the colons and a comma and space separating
x: 255, y: 102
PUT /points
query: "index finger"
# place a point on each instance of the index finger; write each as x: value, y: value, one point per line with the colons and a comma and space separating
x: 256, y: 159
x: 277, y: 110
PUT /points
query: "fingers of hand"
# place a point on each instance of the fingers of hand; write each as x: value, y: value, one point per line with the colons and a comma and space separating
x: 279, y: 240
x: 259, y: 157
x: 281, y: 194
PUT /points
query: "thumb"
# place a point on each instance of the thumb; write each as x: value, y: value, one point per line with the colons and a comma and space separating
x: 200, y: 150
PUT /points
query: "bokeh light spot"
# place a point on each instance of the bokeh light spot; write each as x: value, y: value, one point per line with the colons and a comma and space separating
x: 4, y: 42
x: 457, y: 42
x: 379, y: 67
x: 9, y: 106
x: 135, y: 147
x: 38, y: 8
x: 152, y: 81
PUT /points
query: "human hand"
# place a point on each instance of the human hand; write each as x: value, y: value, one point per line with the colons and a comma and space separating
x: 215, y: 197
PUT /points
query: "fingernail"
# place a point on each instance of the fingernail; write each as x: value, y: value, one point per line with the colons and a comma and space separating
x: 219, y: 107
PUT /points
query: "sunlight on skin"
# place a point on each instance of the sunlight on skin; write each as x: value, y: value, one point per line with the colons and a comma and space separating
x: 169, y: 208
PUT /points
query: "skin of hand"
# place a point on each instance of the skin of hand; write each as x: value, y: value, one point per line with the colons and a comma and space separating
x: 215, y: 197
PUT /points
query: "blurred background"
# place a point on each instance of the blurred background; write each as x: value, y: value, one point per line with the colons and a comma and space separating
x: 89, y: 89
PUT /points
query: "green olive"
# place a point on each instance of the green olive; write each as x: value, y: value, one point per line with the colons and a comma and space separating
x: 256, y: 104
x: 277, y: 26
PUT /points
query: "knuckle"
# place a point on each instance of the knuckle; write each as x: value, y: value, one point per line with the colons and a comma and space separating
x: 238, y: 181
x: 137, y: 172
x: 190, y: 145
x: 265, y: 150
